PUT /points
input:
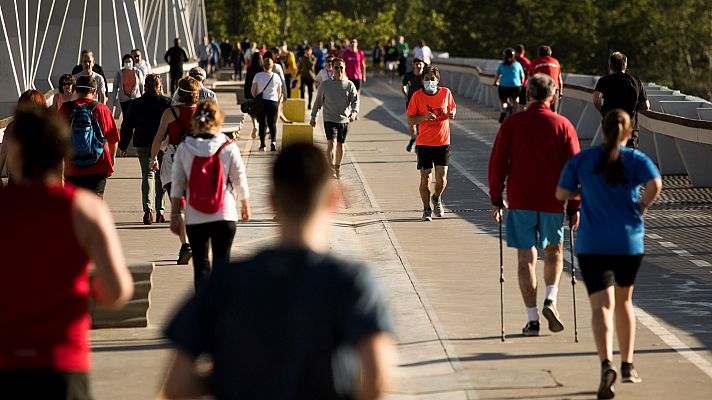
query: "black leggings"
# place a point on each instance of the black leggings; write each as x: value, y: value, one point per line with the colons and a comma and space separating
x: 268, y: 118
x: 220, y: 235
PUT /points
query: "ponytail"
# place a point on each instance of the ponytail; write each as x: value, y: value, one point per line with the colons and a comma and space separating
x: 615, y: 128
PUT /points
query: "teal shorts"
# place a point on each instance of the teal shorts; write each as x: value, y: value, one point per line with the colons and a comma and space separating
x: 527, y: 229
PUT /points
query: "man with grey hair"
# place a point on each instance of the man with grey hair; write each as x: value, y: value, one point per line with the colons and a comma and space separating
x: 204, y: 93
x: 529, y: 153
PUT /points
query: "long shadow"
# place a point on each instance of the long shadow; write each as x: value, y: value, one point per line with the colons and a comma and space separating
x: 669, y: 299
x: 514, y: 357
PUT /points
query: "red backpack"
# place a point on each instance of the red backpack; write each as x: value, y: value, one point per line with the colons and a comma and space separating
x: 206, y: 182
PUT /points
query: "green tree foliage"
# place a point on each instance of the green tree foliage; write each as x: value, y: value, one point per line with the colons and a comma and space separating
x: 667, y: 41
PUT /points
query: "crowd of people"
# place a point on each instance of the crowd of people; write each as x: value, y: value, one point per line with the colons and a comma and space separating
x: 59, y: 158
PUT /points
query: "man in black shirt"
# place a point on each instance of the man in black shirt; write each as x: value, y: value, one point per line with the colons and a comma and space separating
x: 621, y: 90
x: 412, y: 82
x: 292, y: 322
x: 175, y: 57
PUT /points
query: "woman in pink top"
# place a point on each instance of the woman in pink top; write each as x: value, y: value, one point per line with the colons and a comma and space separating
x: 65, y: 91
x: 44, y: 316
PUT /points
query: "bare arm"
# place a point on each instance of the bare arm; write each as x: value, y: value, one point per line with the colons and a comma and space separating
x: 166, y: 119
x: 182, y: 381
x: 112, y: 286
x: 652, y: 190
x: 253, y: 89
x: 565, y: 194
x: 496, y: 79
x: 416, y: 119
x: 378, y: 355
x: 598, y: 100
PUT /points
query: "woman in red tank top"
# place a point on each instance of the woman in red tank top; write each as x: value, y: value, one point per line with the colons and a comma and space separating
x: 174, y: 130
x: 44, y: 352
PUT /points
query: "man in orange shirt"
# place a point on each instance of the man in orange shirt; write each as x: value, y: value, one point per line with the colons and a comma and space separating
x: 431, y: 109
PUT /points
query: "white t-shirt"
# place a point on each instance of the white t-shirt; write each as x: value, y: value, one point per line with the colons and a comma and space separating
x: 269, y: 92
x: 324, y: 75
x: 423, y: 52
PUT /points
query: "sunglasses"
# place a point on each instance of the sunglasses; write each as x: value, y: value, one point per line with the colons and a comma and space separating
x: 339, y: 68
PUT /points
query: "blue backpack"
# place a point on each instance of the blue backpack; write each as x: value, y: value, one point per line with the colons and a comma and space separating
x: 87, y: 138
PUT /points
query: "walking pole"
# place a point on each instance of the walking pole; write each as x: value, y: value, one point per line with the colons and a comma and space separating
x: 501, y: 276
x: 573, y: 278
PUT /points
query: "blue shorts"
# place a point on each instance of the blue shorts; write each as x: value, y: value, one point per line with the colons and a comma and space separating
x: 527, y: 229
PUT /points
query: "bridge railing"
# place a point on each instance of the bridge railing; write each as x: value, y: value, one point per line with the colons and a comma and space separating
x: 676, y: 132
x: 162, y: 70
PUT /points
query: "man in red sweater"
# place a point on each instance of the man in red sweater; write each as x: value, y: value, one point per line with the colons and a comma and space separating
x: 529, y: 153
x: 546, y: 64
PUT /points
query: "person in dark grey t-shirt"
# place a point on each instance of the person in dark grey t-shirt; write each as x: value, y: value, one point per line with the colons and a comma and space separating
x: 621, y: 90
x: 293, y: 322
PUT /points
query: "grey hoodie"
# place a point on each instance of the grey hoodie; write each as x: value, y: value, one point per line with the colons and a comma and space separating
x: 235, y: 176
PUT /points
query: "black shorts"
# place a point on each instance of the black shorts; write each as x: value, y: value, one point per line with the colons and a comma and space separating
x: 44, y: 384
x: 336, y: 129
x: 357, y: 83
x: 506, y: 93
x: 601, y: 271
x: 432, y: 155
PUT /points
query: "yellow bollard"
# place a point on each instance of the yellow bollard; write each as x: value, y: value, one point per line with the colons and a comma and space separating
x: 294, y: 109
x: 297, y: 133
x: 296, y: 90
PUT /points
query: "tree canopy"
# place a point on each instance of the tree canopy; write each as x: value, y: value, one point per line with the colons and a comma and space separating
x: 667, y: 41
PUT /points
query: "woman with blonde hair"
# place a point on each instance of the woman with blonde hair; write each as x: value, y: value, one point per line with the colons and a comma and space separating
x: 175, y: 126
x: 208, y: 168
x: 610, y: 244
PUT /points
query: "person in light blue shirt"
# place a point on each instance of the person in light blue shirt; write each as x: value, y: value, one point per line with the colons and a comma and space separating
x: 610, y: 236
x: 509, y: 79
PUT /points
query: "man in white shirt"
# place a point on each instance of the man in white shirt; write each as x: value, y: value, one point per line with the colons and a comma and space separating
x: 139, y: 63
x: 423, y: 51
x: 204, y: 93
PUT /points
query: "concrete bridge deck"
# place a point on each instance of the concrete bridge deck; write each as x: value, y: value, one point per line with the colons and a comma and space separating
x: 441, y: 277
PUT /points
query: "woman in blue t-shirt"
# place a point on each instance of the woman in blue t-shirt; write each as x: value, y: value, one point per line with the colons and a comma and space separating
x: 610, y: 237
x: 509, y: 78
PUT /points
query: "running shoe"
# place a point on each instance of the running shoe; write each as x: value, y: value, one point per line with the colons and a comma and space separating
x: 531, y: 329
x: 552, y: 315
x: 411, y: 146
x: 427, y: 214
x: 160, y: 217
x: 439, y: 211
x: 608, y: 378
x: 273, y: 146
x: 184, y: 254
x: 629, y: 374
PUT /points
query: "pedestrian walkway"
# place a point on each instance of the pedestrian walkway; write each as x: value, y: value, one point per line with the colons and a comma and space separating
x: 441, y: 278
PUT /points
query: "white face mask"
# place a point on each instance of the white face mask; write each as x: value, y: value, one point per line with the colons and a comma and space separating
x: 430, y: 86
x: 128, y: 65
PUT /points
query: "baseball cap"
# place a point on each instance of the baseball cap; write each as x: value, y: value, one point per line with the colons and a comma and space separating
x: 197, y: 73
x: 418, y: 59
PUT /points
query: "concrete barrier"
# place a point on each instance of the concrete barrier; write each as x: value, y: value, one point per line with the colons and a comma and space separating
x: 297, y: 133
x: 676, y: 132
x: 295, y: 109
x: 135, y: 313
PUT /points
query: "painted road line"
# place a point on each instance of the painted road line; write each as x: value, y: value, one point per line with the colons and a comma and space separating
x: 646, y: 319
